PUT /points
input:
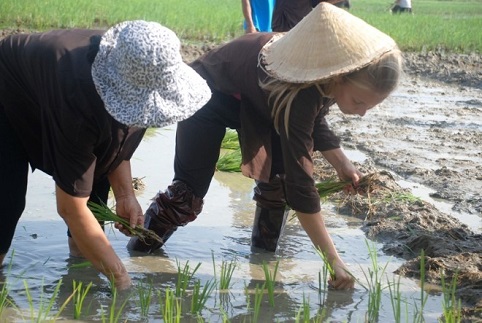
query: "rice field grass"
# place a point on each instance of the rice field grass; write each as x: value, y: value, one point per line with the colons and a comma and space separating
x: 434, y: 25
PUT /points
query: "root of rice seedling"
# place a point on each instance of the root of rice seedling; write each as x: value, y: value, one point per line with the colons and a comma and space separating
x: 367, y: 184
x: 79, y: 294
x: 103, y: 213
x: 270, y: 281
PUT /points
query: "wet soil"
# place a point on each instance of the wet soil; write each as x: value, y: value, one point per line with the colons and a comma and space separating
x: 429, y: 133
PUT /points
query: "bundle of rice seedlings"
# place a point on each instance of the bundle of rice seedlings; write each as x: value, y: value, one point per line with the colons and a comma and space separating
x: 366, y: 184
x: 230, y: 140
x: 230, y: 162
x: 103, y: 213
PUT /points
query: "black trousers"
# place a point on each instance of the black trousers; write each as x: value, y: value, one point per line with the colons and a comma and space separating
x: 198, y: 143
x: 13, y: 181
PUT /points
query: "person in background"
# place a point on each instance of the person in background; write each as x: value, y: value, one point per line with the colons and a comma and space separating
x: 258, y: 15
x: 288, y: 13
x: 275, y: 89
x: 402, y: 6
x: 75, y: 104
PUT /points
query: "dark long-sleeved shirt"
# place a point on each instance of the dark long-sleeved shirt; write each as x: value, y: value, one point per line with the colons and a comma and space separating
x: 233, y: 69
x: 48, y: 95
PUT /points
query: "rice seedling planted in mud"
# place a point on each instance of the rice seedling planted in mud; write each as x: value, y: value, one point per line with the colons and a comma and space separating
x: 79, y: 293
x: 226, y: 274
x: 201, y: 295
x: 270, y: 278
x: 258, y: 297
x: 145, y: 292
x: 171, y: 307
x: 102, y: 212
x: 374, y: 284
x: 452, y: 308
x: 418, y: 315
x: 184, y: 277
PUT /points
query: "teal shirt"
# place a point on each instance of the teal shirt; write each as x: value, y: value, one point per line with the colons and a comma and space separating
x: 262, y: 14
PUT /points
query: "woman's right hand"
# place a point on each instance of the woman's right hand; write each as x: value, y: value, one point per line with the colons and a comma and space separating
x: 343, y: 278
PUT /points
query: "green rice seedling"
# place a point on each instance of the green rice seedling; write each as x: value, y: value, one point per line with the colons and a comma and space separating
x: 4, y: 292
x: 80, y: 292
x: 102, y: 212
x: 145, y: 292
x: 115, y: 312
x: 396, y: 300
x: 418, y: 315
x: 230, y: 140
x: 303, y: 314
x: 226, y: 273
x: 200, y: 296
x: 327, y: 268
x: 258, y: 297
x: 46, y: 305
x: 4, y: 301
x: 230, y: 161
x: 184, y: 276
x: 270, y: 280
x: 452, y: 308
x: 374, y: 284
x: 171, y: 306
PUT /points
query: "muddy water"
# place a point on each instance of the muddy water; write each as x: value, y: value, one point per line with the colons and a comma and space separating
x: 39, y: 256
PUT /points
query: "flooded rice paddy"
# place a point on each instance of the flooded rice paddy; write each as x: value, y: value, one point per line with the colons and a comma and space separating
x: 39, y: 261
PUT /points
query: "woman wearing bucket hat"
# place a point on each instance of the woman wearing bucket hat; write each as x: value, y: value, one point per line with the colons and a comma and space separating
x: 275, y: 90
x: 75, y: 104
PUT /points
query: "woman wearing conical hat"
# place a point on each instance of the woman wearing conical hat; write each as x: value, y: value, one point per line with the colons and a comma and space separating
x: 275, y: 90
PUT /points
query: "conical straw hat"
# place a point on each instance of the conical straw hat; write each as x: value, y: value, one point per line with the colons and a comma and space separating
x: 329, y: 41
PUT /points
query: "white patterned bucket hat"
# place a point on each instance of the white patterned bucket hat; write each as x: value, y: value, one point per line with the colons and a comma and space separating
x: 328, y: 41
x: 141, y: 77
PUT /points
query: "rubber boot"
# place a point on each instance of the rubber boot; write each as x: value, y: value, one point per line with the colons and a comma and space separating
x: 176, y: 207
x: 267, y: 228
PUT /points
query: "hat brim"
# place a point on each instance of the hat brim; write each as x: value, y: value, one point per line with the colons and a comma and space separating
x: 173, y: 101
x: 154, y: 99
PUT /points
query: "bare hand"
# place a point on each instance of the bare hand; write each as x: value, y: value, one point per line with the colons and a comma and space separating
x: 343, y: 278
x: 128, y: 207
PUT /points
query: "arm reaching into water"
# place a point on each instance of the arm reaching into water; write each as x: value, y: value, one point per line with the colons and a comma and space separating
x: 314, y: 226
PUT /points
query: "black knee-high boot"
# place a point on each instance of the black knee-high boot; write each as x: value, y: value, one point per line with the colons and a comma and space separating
x: 267, y: 228
x: 176, y: 207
